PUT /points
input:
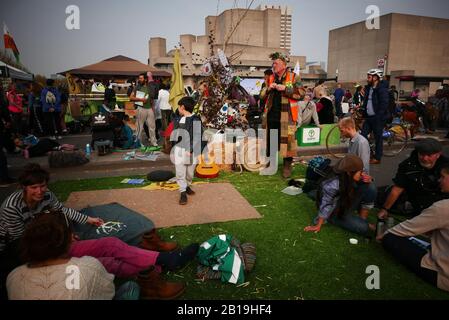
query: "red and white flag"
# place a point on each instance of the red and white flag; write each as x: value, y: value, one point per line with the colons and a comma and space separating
x: 9, y: 42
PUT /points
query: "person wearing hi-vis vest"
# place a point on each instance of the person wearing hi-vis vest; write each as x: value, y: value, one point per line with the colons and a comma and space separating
x: 281, y: 109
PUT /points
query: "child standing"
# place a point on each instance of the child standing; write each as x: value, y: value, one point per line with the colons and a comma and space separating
x: 187, y: 136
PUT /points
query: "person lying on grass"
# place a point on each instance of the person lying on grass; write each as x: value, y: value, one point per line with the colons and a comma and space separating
x: 432, y: 265
x: 345, y: 189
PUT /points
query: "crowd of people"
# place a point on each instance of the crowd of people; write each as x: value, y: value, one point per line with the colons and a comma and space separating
x: 36, y: 236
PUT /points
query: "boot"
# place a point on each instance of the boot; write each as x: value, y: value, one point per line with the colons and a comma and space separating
x: 152, y: 286
x: 287, y: 168
x: 189, y: 191
x: 183, y: 199
x: 152, y: 241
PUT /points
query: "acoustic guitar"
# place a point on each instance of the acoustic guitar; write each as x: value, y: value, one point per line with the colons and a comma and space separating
x: 206, y: 168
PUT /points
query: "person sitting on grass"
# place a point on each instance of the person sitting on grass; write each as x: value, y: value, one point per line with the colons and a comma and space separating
x: 116, y: 256
x: 344, y: 190
x: 45, y: 248
x: 358, y: 144
x: 187, y: 136
x: 432, y: 265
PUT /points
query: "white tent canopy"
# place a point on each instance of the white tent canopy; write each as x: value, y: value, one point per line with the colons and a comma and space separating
x: 7, y: 71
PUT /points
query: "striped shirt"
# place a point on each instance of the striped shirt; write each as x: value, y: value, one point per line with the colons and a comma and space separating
x: 15, y: 215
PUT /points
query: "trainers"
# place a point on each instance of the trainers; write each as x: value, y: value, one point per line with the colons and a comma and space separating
x: 189, y: 191
x: 183, y: 199
x: 59, y: 137
x: 53, y: 138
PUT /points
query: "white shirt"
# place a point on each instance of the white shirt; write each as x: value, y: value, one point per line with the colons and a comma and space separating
x: 162, y: 100
x: 49, y: 283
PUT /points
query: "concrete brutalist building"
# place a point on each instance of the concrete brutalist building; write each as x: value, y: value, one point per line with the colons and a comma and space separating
x: 414, y: 50
x: 260, y: 32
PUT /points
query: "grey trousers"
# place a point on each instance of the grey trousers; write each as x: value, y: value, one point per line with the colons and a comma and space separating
x: 146, y: 116
x: 184, y: 175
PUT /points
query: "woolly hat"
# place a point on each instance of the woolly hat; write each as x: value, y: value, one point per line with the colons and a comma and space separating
x: 350, y: 163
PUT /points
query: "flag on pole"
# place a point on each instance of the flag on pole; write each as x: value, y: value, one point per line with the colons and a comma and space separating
x: 297, y: 68
x: 9, y: 42
x: 177, y: 84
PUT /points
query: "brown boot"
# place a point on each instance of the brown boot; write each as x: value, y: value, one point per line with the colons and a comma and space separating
x: 287, y: 168
x: 152, y: 286
x: 152, y: 241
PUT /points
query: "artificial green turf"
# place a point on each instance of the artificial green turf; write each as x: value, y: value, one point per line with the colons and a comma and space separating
x: 291, y: 264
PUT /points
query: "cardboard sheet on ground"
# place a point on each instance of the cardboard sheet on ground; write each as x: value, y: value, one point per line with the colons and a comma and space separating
x: 213, y: 202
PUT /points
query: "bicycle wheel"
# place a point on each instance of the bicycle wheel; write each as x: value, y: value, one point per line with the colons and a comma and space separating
x: 253, y: 160
x: 395, y: 139
x: 337, y: 150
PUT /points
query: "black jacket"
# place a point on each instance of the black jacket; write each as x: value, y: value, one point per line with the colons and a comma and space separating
x: 193, y: 126
x: 421, y: 185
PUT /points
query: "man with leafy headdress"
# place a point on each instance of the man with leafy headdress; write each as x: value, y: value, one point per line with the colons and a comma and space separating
x: 283, y: 91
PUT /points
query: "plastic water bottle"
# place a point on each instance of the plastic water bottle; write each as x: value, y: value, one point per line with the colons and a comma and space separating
x: 88, y: 150
x: 380, y: 227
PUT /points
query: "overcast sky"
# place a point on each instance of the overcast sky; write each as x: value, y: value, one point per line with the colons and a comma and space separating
x: 112, y: 27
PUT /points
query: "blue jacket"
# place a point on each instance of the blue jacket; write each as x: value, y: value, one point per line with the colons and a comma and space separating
x: 45, y: 105
x: 380, y: 100
x: 128, y: 138
x: 339, y: 94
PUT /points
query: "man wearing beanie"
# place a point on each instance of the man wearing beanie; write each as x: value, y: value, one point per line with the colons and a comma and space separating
x: 342, y: 192
x: 416, y: 180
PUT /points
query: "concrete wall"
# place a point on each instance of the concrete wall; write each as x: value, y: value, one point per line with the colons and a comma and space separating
x: 411, y: 42
x: 421, y: 44
x: 354, y: 49
x: 157, y: 48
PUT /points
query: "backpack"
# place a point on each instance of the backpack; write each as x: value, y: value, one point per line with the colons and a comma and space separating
x: 317, y: 168
x: 101, y: 122
x: 50, y: 97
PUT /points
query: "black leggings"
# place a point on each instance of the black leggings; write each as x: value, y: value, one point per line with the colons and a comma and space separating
x: 410, y: 255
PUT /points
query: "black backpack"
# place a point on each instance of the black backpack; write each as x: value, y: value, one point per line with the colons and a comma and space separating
x: 101, y: 122
x: 317, y: 169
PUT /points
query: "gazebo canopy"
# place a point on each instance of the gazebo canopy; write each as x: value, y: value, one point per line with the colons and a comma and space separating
x: 7, y: 71
x: 116, y: 66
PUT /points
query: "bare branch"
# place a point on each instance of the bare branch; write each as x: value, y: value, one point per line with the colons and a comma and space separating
x: 237, y: 25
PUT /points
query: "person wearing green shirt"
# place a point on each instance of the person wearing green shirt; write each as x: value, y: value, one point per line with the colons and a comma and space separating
x: 143, y: 97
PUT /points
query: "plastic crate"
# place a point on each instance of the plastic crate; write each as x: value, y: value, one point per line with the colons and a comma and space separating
x: 308, y: 136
